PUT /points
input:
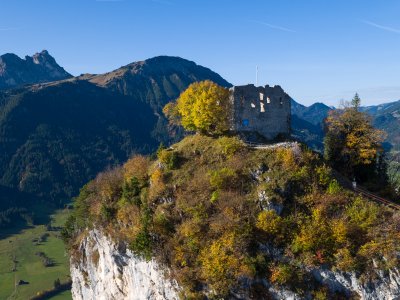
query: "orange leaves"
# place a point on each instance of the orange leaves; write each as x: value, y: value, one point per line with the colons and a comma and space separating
x: 351, y: 140
x: 137, y: 167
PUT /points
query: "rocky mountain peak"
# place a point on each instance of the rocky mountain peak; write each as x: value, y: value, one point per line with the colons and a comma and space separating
x: 38, y: 68
x: 41, y: 57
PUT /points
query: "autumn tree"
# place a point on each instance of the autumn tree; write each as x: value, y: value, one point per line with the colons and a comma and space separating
x: 352, y: 144
x: 203, y: 107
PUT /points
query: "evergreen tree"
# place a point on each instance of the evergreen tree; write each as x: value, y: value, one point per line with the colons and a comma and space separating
x: 356, y: 102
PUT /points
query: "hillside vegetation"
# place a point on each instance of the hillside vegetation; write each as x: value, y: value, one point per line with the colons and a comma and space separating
x: 54, y: 137
x: 217, y: 212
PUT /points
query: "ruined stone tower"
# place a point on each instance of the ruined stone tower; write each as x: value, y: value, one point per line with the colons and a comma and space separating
x: 265, y: 110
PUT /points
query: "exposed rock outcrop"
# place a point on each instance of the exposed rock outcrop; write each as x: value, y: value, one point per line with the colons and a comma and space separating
x: 385, y: 286
x: 41, y: 67
x: 106, y: 270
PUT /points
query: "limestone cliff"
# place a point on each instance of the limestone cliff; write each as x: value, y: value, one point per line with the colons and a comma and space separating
x: 231, y: 222
x: 107, y: 270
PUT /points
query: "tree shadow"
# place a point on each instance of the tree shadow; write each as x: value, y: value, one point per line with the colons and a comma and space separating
x: 20, y: 211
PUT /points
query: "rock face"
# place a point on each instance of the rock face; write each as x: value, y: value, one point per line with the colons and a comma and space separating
x: 386, y: 285
x: 110, y: 271
x: 41, y: 67
x: 106, y: 270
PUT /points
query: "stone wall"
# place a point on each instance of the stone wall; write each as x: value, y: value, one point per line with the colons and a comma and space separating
x: 265, y: 110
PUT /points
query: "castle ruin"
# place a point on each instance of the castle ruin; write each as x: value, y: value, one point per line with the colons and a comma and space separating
x: 264, y: 110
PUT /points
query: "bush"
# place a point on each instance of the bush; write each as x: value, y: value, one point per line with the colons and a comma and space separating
x: 131, y: 191
x: 107, y: 213
x: 221, y: 266
x: 362, y: 213
x: 324, y: 175
x: 315, y: 240
x: 334, y: 187
x: 282, y: 274
x: 68, y: 231
x: 344, y: 260
x: 269, y: 222
x: 230, y: 145
x: 222, y: 178
x: 142, y: 245
x: 168, y: 158
x: 137, y: 167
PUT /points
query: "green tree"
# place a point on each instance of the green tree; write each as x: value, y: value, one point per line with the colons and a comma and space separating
x: 356, y: 101
x: 57, y: 283
x: 203, y: 107
x: 352, y: 144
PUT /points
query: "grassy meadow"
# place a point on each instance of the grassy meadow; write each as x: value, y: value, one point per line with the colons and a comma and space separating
x: 23, y: 257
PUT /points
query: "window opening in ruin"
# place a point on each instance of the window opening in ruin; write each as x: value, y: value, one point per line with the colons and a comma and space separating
x: 245, y: 122
x: 253, y: 105
x: 261, y: 97
x: 280, y: 100
x: 262, y: 109
x: 268, y: 100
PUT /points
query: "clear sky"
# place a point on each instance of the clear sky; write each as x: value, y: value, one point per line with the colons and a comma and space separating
x: 317, y: 50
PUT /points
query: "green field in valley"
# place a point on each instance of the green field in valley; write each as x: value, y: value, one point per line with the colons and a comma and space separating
x: 23, y: 257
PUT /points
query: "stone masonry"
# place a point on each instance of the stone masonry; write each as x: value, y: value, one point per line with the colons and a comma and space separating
x: 265, y: 110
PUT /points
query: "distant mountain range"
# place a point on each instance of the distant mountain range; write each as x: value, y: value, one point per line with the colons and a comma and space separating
x: 41, y: 67
x: 307, y: 122
x: 58, y: 131
x: 387, y: 117
x: 56, y: 136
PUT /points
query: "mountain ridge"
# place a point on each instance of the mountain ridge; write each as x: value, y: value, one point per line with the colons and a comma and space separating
x: 56, y: 136
x: 40, y: 67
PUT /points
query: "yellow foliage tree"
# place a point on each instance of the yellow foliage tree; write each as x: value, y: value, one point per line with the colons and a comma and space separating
x: 220, y: 264
x: 203, y: 107
x: 269, y: 222
x: 351, y: 140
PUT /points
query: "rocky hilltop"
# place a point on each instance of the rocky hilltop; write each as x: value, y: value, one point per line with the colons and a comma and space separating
x: 211, y: 218
x: 41, y: 67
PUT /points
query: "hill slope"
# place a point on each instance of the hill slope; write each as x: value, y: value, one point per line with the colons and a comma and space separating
x: 387, y: 117
x: 157, y: 80
x: 41, y: 67
x: 57, y: 136
x: 229, y: 220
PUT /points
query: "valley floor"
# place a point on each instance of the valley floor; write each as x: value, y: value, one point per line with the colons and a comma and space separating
x: 21, y: 251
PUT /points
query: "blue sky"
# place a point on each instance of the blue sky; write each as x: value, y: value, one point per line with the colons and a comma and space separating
x: 317, y: 50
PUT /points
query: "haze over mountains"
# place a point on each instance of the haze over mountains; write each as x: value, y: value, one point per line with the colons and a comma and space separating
x: 56, y: 136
